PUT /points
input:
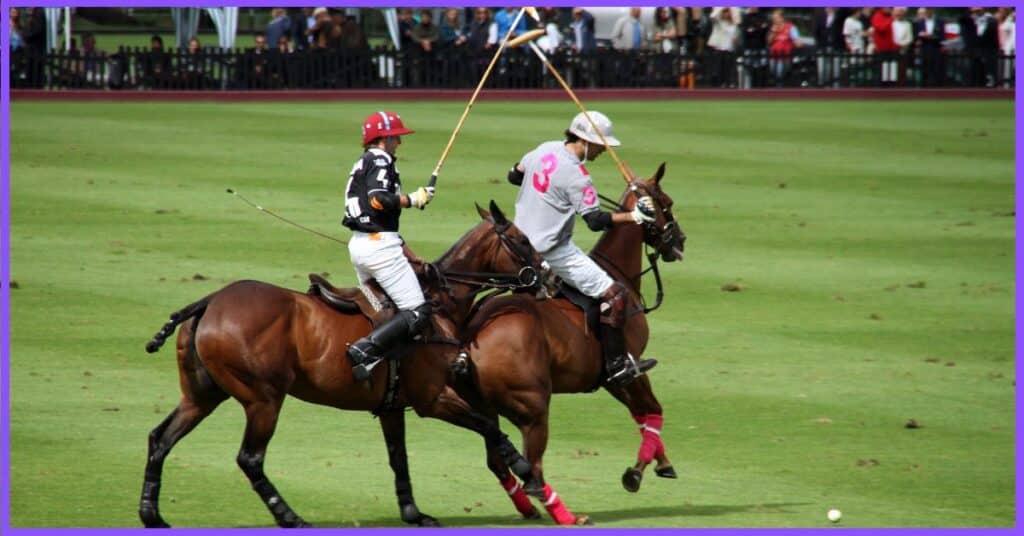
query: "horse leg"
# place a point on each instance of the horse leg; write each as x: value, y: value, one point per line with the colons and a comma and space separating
x: 535, y: 440
x: 178, y: 423
x: 200, y: 395
x: 647, y: 413
x: 508, y: 481
x: 450, y: 407
x: 261, y: 419
x: 393, y: 425
x: 495, y: 462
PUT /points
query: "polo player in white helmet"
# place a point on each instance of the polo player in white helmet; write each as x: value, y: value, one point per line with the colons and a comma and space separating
x: 555, y: 186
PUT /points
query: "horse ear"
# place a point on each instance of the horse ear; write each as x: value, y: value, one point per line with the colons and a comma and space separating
x: 660, y: 173
x: 499, y: 216
x: 484, y: 215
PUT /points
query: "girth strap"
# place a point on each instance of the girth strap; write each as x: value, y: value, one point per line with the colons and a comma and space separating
x: 391, y: 393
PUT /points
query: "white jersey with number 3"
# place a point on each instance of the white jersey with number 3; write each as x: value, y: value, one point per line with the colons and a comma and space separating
x: 556, y: 187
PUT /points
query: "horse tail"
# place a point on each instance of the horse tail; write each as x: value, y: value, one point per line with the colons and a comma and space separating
x: 191, y: 310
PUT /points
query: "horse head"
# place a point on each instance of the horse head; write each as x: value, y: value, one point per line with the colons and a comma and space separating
x: 508, y: 249
x: 664, y: 234
x: 494, y: 253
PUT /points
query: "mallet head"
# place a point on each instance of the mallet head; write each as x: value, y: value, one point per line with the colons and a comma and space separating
x: 526, y: 38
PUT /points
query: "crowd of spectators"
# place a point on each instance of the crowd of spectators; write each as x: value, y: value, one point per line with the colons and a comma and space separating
x: 724, y: 46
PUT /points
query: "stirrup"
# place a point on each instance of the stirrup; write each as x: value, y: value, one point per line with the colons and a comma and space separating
x: 364, y: 362
x: 362, y: 371
x: 631, y: 370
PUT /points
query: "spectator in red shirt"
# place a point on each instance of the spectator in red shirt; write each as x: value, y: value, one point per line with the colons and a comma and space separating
x: 885, y: 45
x: 783, y: 37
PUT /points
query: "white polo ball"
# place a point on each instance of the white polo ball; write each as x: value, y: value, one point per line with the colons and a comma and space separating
x: 834, y: 515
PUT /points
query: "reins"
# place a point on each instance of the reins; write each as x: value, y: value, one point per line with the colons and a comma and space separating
x: 652, y: 258
x: 526, y: 277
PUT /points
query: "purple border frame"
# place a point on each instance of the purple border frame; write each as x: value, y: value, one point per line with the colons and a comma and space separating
x: 5, y: 261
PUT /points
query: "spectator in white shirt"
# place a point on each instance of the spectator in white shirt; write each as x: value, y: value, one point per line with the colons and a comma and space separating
x: 853, y: 32
x: 902, y: 31
x: 629, y: 32
x: 1007, y: 37
x: 903, y: 37
x: 552, y: 38
x: 724, y: 37
x: 724, y: 29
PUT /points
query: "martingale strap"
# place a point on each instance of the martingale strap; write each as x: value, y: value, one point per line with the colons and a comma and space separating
x: 653, y: 259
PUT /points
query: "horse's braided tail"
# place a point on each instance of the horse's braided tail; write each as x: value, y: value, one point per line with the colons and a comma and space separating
x: 178, y: 317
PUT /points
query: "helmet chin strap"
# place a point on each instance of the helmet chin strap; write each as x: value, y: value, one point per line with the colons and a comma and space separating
x: 389, y: 144
x: 586, y: 150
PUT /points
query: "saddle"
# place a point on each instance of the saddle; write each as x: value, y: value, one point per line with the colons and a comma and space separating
x: 591, y: 307
x: 368, y: 300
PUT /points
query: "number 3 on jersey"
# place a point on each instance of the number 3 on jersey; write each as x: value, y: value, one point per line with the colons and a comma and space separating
x: 541, y: 184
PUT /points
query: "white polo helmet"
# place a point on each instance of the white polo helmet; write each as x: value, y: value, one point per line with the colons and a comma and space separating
x: 583, y: 130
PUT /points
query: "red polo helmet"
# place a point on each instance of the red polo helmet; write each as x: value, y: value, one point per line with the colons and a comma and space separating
x: 382, y: 124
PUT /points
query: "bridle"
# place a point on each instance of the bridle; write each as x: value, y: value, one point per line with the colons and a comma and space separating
x: 527, y: 277
x: 662, y: 236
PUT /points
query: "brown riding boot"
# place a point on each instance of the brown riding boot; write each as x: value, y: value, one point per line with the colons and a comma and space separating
x: 620, y: 366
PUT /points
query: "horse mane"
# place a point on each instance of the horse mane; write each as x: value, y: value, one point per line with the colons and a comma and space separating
x: 444, y: 259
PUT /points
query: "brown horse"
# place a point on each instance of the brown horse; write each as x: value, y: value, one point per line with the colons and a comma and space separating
x: 522, y: 350
x: 257, y: 343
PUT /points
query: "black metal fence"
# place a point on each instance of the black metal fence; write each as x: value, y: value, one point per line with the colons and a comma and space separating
x: 219, y: 69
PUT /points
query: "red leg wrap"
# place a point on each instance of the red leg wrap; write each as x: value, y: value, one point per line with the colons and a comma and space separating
x: 553, y: 504
x: 650, y: 430
x: 518, y: 496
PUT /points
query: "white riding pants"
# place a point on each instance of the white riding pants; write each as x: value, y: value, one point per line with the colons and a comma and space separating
x: 379, y: 256
x: 577, y: 269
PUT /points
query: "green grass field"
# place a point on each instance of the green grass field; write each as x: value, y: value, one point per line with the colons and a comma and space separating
x: 874, y: 242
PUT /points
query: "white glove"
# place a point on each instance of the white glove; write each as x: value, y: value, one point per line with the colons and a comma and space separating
x: 643, y: 212
x: 421, y: 197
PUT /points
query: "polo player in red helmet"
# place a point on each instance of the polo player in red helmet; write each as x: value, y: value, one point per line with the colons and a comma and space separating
x: 373, y: 205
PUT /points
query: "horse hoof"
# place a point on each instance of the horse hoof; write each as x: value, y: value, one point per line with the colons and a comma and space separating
x: 152, y: 520
x: 631, y: 480
x: 532, y: 514
x: 427, y: 521
x: 583, y: 521
x: 666, y: 472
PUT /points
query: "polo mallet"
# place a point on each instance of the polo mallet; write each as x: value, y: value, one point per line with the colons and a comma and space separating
x: 501, y: 47
x: 282, y: 218
x: 626, y: 173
